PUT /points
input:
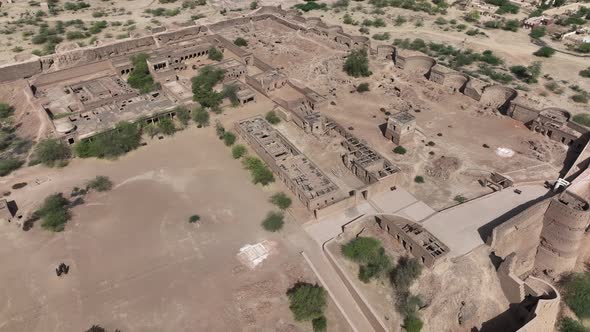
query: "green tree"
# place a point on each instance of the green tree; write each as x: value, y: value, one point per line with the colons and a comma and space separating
x: 229, y: 138
x: 238, y: 151
x: 577, y: 294
x: 240, y: 41
x: 123, y: 138
x: 361, y: 249
x: 230, y: 91
x: 319, y: 324
x: 307, y: 301
x: 281, y: 200
x: 260, y: 173
x: 201, y: 117
x: 545, y: 52
x: 215, y: 54
x: 357, y: 63
x: 419, y: 179
x: 194, y: 218
x: 183, y: 115
x: 166, y: 126
x: 412, y: 323
x: 202, y: 86
x: 399, y: 150
x: 140, y: 77
x: 272, y: 117
x: 369, y: 253
x: 54, y: 213
x: 404, y: 274
x: 100, y: 183
x: 52, y: 152
x: 273, y: 222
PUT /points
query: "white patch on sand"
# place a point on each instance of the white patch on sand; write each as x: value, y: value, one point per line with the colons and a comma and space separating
x: 252, y: 255
x: 504, y: 152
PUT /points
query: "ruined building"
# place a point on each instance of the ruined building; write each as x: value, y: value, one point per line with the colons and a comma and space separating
x: 303, y: 177
x: 400, y: 128
x: 417, y: 241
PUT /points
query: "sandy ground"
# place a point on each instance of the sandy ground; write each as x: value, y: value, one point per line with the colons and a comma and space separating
x: 137, y: 264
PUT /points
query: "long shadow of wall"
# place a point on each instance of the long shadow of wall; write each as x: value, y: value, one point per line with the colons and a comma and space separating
x: 572, y: 156
x: 485, y: 231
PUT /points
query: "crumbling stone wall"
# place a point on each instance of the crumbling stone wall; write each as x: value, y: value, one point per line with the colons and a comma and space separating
x: 497, y: 96
x: 20, y: 70
x: 512, y: 285
x: 534, y: 302
x: 520, y: 235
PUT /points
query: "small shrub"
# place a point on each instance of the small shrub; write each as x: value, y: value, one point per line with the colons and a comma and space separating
x: 545, y: 52
x: 253, y: 5
x: 307, y: 301
x: 319, y: 324
x: 400, y: 150
x: 363, y: 87
x: 229, y: 138
x: 281, y: 200
x: 581, y: 98
x: 101, y: 183
x: 183, y: 115
x: 382, y: 36
x: 259, y: 171
x: 412, y: 323
x: 240, y: 42
x: 400, y: 20
x: 585, y: 72
x: 511, y: 25
x: 538, y: 32
x: 194, y: 218
x: 238, y: 151
x: 460, y: 199
x: 272, y: 117
x: 54, y: 213
x: 419, y: 179
x: 310, y: 5
x: 166, y: 126
x: 273, y: 222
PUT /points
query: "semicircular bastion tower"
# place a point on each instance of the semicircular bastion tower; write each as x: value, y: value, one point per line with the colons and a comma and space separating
x: 564, y: 227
